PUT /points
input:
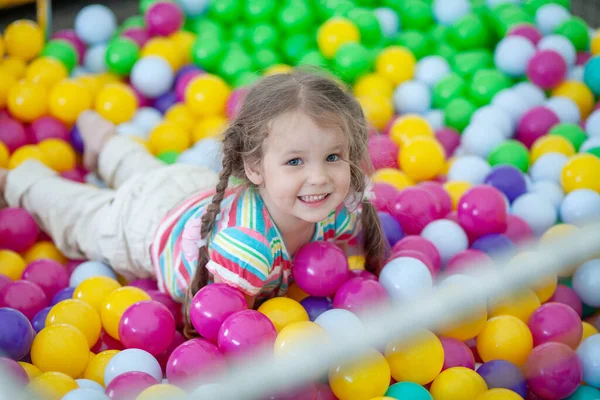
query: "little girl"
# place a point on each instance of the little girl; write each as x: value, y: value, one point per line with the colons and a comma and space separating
x: 298, y: 144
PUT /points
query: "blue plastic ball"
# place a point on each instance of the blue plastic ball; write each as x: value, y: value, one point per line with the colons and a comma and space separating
x: 95, y: 24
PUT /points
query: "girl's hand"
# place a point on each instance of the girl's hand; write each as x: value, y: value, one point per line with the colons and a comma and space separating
x: 249, y: 299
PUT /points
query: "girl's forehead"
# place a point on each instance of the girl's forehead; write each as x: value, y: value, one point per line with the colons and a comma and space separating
x: 297, y: 129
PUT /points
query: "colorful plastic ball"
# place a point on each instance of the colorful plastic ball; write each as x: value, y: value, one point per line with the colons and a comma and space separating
x: 580, y: 206
x: 207, y: 95
x: 90, y: 269
x: 18, y: 229
x: 579, y: 93
x: 466, y: 259
x: 115, y: 305
x: 553, y: 371
x: 481, y: 139
x: 31, y: 370
x: 377, y: 109
x: 533, y: 95
x: 510, y: 152
x: 16, y: 373
x: 548, y: 167
x: 152, y: 76
x: 48, y: 127
x: 95, y: 59
x: 70, y: 36
x: 46, y: 71
x: 164, y: 18
x: 565, y: 108
x: 502, y: 374
x: 547, y: 69
x: 12, y: 265
x: 431, y: 69
x: 85, y: 393
x: 412, y: 97
x: 161, y: 390
x: 44, y: 249
x: 59, y: 155
x: 550, y: 16
x: 121, y: 55
x: 482, y: 210
x: 283, y: 311
x: 456, y: 354
x: 51, y: 385
x: 406, y: 278
x: 457, y: 383
x: 471, y: 169
x: 505, y: 338
x: 131, y: 360
x: 551, y: 144
x: 340, y: 324
x: 494, y: 244
x: 534, y: 124
x: 588, y: 352
x: 53, y: 343
x: 49, y: 275
x: 536, y: 210
x: 507, y: 179
x: 27, y: 101
x: 359, y: 294
x: 95, y: 289
x: 245, y: 332
x: 581, y: 172
x: 147, y: 325
x: 397, y: 64
x: 422, y: 158
x: 116, y: 102
x: 320, y: 268
x: 351, y: 60
x: 391, y: 228
x: 495, y: 116
x: 79, y: 315
x: 24, y: 153
x: 24, y: 296
x: 95, y: 24
x: 584, y: 393
x: 512, y: 102
x: 591, y: 77
x: 334, y: 33
x: 458, y: 113
x: 61, y: 295
x: 129, y: 385
x: 383, y: 152
x: 414, y: 208
x: 513, y: 54
x: 97, y: 366
x: 561, y: 45
x: 556, y: 322
x: 362, y: 379
x: 23, y: 39
x: 585, y: 282
x: 408, y: 390
x: 196, y: 359
x: 527, y: 31
x: 592, y: 125
x: 16, y: 333
x: 63, y: 51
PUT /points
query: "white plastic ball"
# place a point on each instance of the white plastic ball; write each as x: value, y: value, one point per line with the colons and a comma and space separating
x: 549, y: 190
x: 94, y: 60
x: 90, y: 269
x: 193, y: 8
x: 513, y: 54
x: 130, y: 129
x: 528, y: 182
x: 548, y: 167
x: 435, y: 119
x: 590, y: 143
x: 470, y: 168
x: 147, y: 118
x: 447, y: 12
x: 85, y: 394
x: 580, y: 207
x: 576, y: 73
x: 412, y: 97
x: 565, y: 109
x: 79, y: 71
x: 388, y: 20
x: 89, y: 384
x: 588, y: 351
x: 511, y: 102
x: 431, y: 69
x: 592, y: 124
x: 405, y: 278
x: 481, y: 139
x: 340, y: 324
x: 447, y: 236
x: 205, y: 153
x: 152, y: 76
x: 549, y: 16
x: 561, y: 45
x: 496, y: 117
x: 132, y: 360
x: 532, y: 94
x: 586, y: 283
x: 539, y: 213
x: 95, y: 24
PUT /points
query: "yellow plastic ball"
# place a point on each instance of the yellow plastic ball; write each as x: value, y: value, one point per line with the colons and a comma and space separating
x: 4, y: 155
x: 115, y: 305
x: 11, y: 264
x: 209, y: 127
x: 1, y: 48
x: 165, y: 48
x: 44, y: 249
x: 94, y: 290
x: 294, y: 338
x: 51, y: 385
x: 278, y: 69
x: 116, y: 102
x: 169, y: 136
x: 96, y: 366
x: 468, y: 327
x: 27, y: 152
x: 23, y: 39
x: 283, y: 311
x: 7, y: 81
x: 31, y: 370
x: 46, y: 71
x: 456, y: 189
x: 417, y: 360
x: 334, y: 33
x: 409, y: 127
x: 78, y: 314
x: 520, y: 305
x: 499, y: 394
x: 183, y: 41
x: 92, y: 83
x: 397, y: 64
x: 546, y: 287
x: 15, y: 66
x: 161, y: 391
x: 59, y: 155
x: 392, y: 176
x: 582, y: 171
x: 595, y: 45
x: 207, y: 95
x: 27, y: 101
x: 62, y: 348
x: 362, y: 379
x: 295, y: 293
x: 551, y: 144
x: 588, y: 330
x: 378, y: 109
x: 68, y: 99
x: 373, y: 84
x: 181, y: 115
x: 458, y: 383
x: 505, y: 338
x: 422, y: 158
x: 356, y: 262
x: 579, y: 93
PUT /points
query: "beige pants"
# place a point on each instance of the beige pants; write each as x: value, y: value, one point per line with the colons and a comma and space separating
x: 115, y: 225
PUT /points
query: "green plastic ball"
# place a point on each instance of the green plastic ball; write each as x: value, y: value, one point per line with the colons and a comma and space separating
x: 296, y: 46
x: 62, y: 51
x: 207, y: 54
x: 295, y: 17
x: 450, y: 87
x: 264, y: 58
x: 259, y: 11
x: 368, y: 25
x: 458, y: 113
x: 146, y: 4
x: 531, y: 6
x: 467, y: 63
x: 439, y: 33
x: 235, y: 61
x: 469, y: 33
x: 485, y: 84
x: 417, y: 42
x: 225, y: 11
x: 245, y: 79
x: 351, y: 61
x: 136, y: 21
x: 595, y: 151
x: 512, y: 153
x: 314, y: 58
x: 207, y: 29
x: 506, y: 16
x: 416, y: 14
x: 121, y: 55
x: 168, y: 157
x: 445, y: 50
x: 262, y: 36
x: 572, y: 132
x: 239, y: 34
x: 576, y: 30
x: 585, y: 393
x: 329, y: 8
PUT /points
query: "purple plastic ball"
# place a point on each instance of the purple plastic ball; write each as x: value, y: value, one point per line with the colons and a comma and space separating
x: 64, y: 294
x: 39, y: 321
x: 16, y: 334
x: 507, y: 179
x: 166, y: 101
x: 316, y: 306
x: 76, y: 140
x: 494, y: 244
x: 391, y: 228
x: 503, y: 374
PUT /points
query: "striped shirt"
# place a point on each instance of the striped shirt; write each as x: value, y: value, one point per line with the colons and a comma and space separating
x: 246, y: 249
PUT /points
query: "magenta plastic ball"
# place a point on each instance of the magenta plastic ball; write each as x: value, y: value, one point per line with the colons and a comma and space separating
x: 234, y: 102
x: 12, y: 134
x: 212, y: 305
x: 164, y: 19
x: 442, y: 196
x: 48, y: 274
x: 142, y: 100
x: 424, y: 258
x: 48, y: 127
x: 456, y: 354
x: 163, y: 357
x: 145, y: 284
x: 4, y: 280
x: 555, y: 322
x: 359, y: 294
x: 72, y: 264
x: 553, y: 371
x: 174, y: 307
x: 106, y: 342
x: 138, y: 34
x: 196, y: 359
x: 414, y: 208
x: 482, y: 210
x: 547, y: 69
x: 383, y: 152
x: 384, y: 196
x: 466, y: 259
x: 245, y: 332
x: 517, y: 230
x: 23, y: 296
x: 449, y: 139
x: 388, y: 126
x: 361, y: 273
x: 15, y: 372
x: 582, y: 58
x: 70, y: 36
x: 183, y: 81
x: 18, y: 229
x: 129, y: 385
x: 75, y: 175
x: 320, y: 268
x: 534, y: 124
x: 421, y: 245
x: 527, y: 31
x: 565, y: 295
x: 147, y: 325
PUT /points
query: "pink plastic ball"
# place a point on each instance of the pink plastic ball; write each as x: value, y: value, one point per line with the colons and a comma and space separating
x: 583, y: 57
x: 546, y: 69
x: 383, y: 152
x: 442, y: 196
x: 183, y: 82
x: 75, y: 175
x: 23, y: 296
x: 234, y: 102
x: 18, y: 230
x: 164, y: 19
x: 147, y: 325
x: 424, y: 258
x: 129, y: 385
x: 70, y: 36
x: 449, y: 139
x: 145, y: 284
x: 196, y: 359
x: 456, y: 354
x: 359, y: 294
x: 163, y: 357
x: 16, y: 373
x: 414, y: 208
x: 553, y: 371
x: 320, y: 268
x: 482, y: 210
x: 421, y: 245
x: 4, y: 280
x: 361, y: 273
x: 137, y: 34
x: 212, y: 305
x: 49, y: 275
x: 384, y: 196
x: 142, y: 101
x: 517, y: 230
x: 246, y: 332
x: 466, y: 259
x: 388, y: 126
x: 565, y: 295
x: 12, y: 134
x: 555, y: 322
x: 48, y: 127
x: 527, y: 31
x: 72, y: 264
x: 106, y: 342
x: 534, y: 124
x: 173, y: 306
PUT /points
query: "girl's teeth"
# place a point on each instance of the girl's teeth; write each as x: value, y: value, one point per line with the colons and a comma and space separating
x: 311, y: 199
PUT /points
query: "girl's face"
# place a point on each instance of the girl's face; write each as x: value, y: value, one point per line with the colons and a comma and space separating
x: 304, y: 174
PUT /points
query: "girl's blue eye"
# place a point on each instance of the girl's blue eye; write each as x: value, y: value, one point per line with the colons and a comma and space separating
x: 295, y: 162
x: 333, y: 158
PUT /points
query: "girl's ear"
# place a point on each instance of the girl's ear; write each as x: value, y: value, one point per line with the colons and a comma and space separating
x: 253, y: 173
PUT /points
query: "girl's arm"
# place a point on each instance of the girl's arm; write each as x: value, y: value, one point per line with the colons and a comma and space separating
x: 249, y: 299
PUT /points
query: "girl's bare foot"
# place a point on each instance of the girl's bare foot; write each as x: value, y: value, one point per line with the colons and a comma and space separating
x: 95, y: 131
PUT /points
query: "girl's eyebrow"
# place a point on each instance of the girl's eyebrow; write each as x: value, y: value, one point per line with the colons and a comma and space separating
x: 336, y: 148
